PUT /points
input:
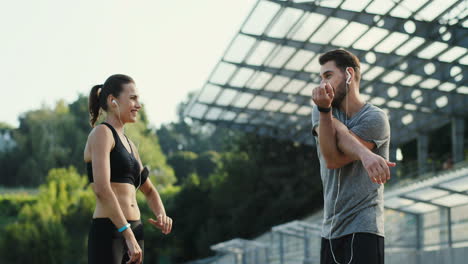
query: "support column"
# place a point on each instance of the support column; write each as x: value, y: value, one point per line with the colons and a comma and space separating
x: 458, y: 130
x: 423, y: 149
x: 281, y: 248
x: 392, y: 157
x: 419, y: 238
x: 307, y: 257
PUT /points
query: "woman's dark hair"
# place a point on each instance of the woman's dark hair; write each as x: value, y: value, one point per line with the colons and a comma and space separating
x: 342, y: 59
x: 113, y: 85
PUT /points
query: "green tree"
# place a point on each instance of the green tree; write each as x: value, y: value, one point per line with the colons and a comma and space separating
x: 183, y: 163
x: 42, y: 232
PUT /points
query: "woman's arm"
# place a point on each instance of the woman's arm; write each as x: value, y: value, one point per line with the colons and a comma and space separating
x: 154, y: 201
x: 156, y: 205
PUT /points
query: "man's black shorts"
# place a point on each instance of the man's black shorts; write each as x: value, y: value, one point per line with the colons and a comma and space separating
x: 367, y: 249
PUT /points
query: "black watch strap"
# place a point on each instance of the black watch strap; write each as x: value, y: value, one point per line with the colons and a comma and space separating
x: 324, y: 110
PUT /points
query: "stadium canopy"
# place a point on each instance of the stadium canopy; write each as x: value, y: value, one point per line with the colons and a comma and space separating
x: 445, y: 191
x: 413, y: 56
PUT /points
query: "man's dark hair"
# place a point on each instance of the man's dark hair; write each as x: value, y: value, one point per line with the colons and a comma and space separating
x: 342, y: 59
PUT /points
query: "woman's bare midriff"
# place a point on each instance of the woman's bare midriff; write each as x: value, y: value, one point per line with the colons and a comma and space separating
x: 126, y: 196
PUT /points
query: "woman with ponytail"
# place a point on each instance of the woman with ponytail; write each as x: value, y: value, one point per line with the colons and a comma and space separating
x: 116, y: 173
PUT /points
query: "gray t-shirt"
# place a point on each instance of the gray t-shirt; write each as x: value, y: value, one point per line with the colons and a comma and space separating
x: 359, y: 207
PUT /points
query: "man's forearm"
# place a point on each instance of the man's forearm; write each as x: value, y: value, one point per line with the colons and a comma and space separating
x: 347, y: 143
x: 327, y: 139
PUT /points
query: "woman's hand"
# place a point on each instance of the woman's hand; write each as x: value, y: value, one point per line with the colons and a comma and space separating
x: 164, y: 223
x: 134, y: 251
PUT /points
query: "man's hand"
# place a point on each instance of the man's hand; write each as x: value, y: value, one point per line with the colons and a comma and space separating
x: 377, y: 167
x: 323, y: 95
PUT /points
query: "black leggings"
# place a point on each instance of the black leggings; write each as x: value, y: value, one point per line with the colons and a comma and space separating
x: 107, y: 245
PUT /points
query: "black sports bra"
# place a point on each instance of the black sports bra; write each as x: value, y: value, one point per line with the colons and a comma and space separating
x: 124, y: 166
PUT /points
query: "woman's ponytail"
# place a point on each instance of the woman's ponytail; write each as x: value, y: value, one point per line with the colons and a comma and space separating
x: 94, y: 105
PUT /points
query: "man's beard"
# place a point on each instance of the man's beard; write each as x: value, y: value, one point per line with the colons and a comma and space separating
x: 340, y: 94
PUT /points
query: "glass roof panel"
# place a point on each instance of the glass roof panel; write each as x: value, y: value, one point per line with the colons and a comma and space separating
x: 411, y: 80
x: 260, y: 17
x: 228, y: 115
x: 213, y: 113
x: 429, y: 83
x: 222, y: 73
x: 313, y: 66
x: 380, y: 7
x: 421, y: 208
x: 198, y: 110
x: 239, y: 48
x: 442, y: 101
x: 329, y: 3
x: 370, y: 39
x: 209, y: 93
x: 304, y: 110
x: 281, y: 57
x: 226, y: 97
x: 394, y: 104
x: 307, y: 90
x: 285, y: 22
x: 243, y: 100
x: 299, y: 60
x: 427, y: 194
x: 349, y: 35
x: 432, y: 50
x: 391, y: 42
x: 364, y: 67
x: 409, y: 46
x: 453, y: 54
x: 377, y: 100
x: 274, y: 105
x: 464, y: 60
x: 411, y: 107
x: 289, y: 108
x: 326, y: 33
x: 258, y: 102
x: 276, y: 83
x: 355, y: 5
x: 434, y: 9
x: 397, y: 202
x: 310, y: 25
x: 407, y: 119
x: 463, y: 90
x: 452, y: 200
x: 294, y: 86
x: 393, y: 76
x: 372, y: 73
x: 459, y: 185
x: 401, y: 11
x: 447, y: 87
x: 261, y: 52
x: 260, y: 79
x: 241, y: 77
x: 242, y: 118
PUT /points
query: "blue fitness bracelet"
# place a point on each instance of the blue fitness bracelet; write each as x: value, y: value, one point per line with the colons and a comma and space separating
x: 124, y: 227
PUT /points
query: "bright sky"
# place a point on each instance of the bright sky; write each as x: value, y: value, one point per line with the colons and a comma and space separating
x: 55, y: 49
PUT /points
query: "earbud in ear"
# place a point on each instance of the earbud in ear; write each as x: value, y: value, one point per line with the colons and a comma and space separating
x: 114, y: 102
x: 348, y: 76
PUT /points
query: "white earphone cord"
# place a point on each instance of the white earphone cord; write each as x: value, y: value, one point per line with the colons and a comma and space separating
x: 339, y: 183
